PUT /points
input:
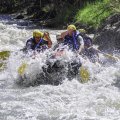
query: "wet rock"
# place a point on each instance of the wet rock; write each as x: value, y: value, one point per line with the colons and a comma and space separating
x: 89, y: 29
x: 108, y: 35
x: 20, y: 16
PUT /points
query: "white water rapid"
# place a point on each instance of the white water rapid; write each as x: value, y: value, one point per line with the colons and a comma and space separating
x: 98, y: 99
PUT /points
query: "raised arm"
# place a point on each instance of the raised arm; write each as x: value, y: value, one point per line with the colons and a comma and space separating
x: 47, y: 37
x: 63, y: 34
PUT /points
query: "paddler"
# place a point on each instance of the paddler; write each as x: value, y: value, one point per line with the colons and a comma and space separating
x: 39, y: 42
x: 72, y: 39
x: 89, y: 51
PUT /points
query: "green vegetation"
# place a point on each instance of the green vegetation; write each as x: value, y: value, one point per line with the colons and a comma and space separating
x: 115, y: 5
x: 94, y: 13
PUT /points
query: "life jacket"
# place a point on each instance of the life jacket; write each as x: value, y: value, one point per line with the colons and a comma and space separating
x: 87, y: 40
x: 37, y: 46
x: 72, y: 41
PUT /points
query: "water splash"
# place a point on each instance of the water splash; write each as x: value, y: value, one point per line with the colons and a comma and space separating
x: 99, y: 99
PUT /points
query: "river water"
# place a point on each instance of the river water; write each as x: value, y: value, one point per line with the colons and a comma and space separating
x: 98, y: 99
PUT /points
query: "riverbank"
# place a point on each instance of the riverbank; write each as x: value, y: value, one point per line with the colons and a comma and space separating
x: 54, y: 14
x: 88, y: 15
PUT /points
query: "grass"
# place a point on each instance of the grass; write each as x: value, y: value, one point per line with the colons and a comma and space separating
x: 94, y: 13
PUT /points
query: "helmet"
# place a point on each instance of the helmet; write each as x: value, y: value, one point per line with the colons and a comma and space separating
x: 37, y: 33
x: 71, y: 27
x: 82, y: 31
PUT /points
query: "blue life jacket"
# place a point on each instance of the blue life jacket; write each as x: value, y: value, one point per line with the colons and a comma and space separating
x: 72, y: 41
x: 40, y: 46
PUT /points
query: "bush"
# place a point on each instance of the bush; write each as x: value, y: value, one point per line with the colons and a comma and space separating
x: 94, y: 13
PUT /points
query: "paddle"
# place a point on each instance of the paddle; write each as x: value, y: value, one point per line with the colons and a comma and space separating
x: 84, y: 74
x: 4, y: 55
x: 110, y: 56
x: 22, y: 68
x: 106, y: 54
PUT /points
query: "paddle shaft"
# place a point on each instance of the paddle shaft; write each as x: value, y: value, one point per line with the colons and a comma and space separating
x: 107, y: 55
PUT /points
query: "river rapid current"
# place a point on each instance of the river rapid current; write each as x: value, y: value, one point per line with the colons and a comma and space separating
x: 98, y: 99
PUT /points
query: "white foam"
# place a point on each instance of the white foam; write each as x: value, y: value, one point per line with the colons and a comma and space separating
x: 99, y: 99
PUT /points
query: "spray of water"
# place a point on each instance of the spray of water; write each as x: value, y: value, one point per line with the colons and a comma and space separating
x: 98, y: 99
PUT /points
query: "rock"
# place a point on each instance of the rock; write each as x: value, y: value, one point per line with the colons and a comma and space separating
x: 108, y: 35
x: 20, y: 16
x: 89, y: 29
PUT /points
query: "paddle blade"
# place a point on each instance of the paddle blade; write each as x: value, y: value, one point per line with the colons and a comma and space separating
x: 22, y: 69
x: 4, y: 55
x: 2, y: 65
x: 84, y: 74
x: 111, y: 57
